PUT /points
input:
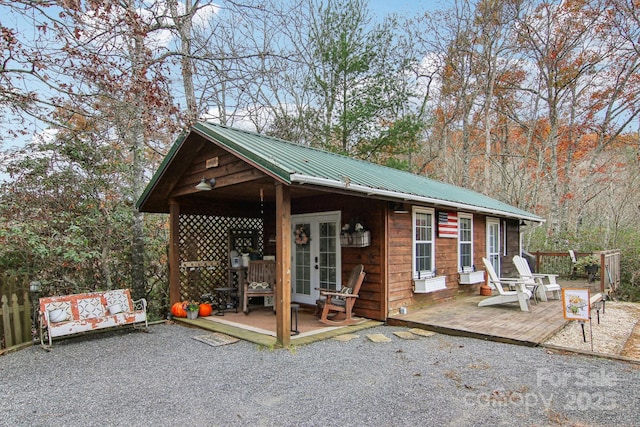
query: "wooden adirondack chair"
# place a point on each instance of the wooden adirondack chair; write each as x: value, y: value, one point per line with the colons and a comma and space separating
x: 343, y: 301
x: 261, y: 282
x: 521, y: 294
x: 537, y: 280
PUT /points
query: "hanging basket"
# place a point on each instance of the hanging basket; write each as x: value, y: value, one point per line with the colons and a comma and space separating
x: 359, y: 239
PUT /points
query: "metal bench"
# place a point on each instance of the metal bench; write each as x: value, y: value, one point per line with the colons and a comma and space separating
x: 78, y: 313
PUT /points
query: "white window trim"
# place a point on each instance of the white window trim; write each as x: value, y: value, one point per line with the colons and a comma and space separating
x: 470, y: 217
x: 417, y: 210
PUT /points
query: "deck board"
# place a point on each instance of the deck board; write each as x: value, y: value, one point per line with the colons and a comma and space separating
x: 504, y: 323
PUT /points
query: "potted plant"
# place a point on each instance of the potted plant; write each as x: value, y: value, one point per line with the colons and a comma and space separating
x: 591, y: 264
x: 254, y: 255
x: 192, y: 308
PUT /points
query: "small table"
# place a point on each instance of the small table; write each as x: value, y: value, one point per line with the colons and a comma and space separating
x: 294, y: 313
x: 237, y: 276
x: 225, y: 298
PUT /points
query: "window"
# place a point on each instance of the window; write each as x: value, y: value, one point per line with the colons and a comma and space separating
x: 423, y: 243
x: 465, y: 241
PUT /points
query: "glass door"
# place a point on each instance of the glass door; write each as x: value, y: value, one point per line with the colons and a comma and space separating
x: 316, y: 255
x: 493, y: 243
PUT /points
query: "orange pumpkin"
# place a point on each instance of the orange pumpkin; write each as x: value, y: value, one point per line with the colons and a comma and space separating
x: 205, y: 310
x: 178, y: 310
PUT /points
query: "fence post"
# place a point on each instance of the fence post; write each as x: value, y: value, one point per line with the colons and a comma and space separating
x: 603, y: 267
x: 6, y: 322
x: 17, y: 326
x: 27, y: 318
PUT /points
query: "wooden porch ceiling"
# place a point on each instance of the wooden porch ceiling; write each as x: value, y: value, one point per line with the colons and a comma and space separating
x: 249, y: 192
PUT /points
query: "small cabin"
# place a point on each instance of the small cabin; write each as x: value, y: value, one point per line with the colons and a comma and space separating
x: 232, y: 194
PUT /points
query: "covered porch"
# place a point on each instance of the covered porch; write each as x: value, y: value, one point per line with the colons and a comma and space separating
x: 260, y: 326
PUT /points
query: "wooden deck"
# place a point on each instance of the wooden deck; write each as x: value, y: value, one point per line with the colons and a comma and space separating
x: 259, y: 326
x: 503, y: 323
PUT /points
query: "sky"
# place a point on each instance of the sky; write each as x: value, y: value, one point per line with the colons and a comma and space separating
x: 381, y: 8
x: 406, y: 7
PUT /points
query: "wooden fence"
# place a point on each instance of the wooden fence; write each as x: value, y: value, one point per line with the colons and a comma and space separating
x: 15, y: 313
x: 610, y: 269
x: 560, y: 263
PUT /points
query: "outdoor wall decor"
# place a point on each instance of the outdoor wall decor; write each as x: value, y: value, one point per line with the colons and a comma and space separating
x: 302, y: 236
x: 448, y: 225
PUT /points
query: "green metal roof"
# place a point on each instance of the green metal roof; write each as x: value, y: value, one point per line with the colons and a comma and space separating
x: 294, y: 163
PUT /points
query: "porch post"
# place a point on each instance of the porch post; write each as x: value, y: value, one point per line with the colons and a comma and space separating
x: 283, y: 265
x: 174, y: 252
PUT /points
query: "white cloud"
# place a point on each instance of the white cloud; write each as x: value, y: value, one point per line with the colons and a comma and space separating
x: 152, y: 14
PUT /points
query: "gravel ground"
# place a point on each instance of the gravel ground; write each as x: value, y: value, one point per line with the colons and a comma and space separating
x: 167, y: 378
x: 607, y: 337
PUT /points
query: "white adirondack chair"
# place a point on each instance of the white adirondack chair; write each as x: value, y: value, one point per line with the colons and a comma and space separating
x: 521, y: 294
x: 533, y: 279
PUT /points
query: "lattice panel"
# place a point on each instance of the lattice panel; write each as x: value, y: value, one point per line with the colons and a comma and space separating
x: 205, y: 238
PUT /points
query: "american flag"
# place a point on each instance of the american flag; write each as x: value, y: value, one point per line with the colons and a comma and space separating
x: 448, y: 224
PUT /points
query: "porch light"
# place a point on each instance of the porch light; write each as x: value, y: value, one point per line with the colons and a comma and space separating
x: 399, y: 208
x: 206, y: 186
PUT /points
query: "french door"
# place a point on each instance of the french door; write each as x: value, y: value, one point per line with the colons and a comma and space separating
x: 493, y: 243
x: 316, y: 262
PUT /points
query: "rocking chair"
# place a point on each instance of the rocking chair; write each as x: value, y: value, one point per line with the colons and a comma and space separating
x: 342, y: 301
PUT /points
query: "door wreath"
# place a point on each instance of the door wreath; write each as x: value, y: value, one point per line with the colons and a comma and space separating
x: 302, y: 237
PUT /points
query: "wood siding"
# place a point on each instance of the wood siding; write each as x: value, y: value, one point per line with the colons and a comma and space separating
x: 400, y: 260
x: 372, y: 298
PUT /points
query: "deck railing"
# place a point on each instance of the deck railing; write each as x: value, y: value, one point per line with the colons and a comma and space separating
x: 561, y: 263
x: 15, y: 313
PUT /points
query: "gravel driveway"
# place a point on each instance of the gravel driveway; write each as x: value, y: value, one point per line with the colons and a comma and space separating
x: 167, y: 378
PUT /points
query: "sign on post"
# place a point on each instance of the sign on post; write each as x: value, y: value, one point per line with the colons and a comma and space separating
x: 575, y: 304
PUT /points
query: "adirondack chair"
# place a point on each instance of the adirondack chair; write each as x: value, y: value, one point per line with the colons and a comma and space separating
x: 520, y: 295
x: 537, y: 280
x: 342, y: 301
x: 261, y: 282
